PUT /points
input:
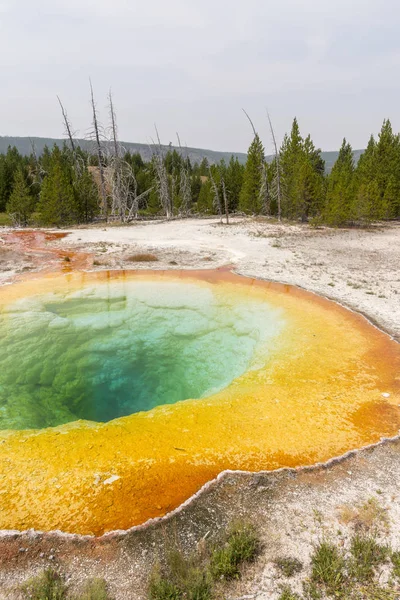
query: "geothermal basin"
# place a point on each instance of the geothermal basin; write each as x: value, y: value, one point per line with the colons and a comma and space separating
x: 122, y: 393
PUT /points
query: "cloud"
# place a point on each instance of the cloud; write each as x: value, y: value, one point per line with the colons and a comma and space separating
x: 192, y: 65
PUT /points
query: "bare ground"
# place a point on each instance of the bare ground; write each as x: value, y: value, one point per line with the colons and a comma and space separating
x: 293, y: 509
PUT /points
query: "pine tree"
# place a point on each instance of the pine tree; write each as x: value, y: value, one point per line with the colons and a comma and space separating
x: 86, y: 196
x: 205, y: 200
x: 233, y: 177
x: 378, y: 177
x: 387, y: 173
x: 21, y: 203
x: 250, y: 199
x: 9, y: 164
x: 341, y: 188
x: 302, y: 170
x: 57, y: 204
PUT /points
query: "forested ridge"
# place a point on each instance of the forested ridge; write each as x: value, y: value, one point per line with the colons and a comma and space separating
x: 68, y: 185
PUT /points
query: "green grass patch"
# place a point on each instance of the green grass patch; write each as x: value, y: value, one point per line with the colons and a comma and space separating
x: 288, y: 594
x: 181, y: 577
x: 242, y: 545
x: 49, y: 585
x: 94, y: 589
x: 395, y: 558
x: 328, y: 567
x: 366, y: 555
x: 194, y: 577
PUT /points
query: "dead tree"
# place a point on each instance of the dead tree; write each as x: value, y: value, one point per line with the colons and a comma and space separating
x: 67, y: 124
x: 185, y: 189
x: 120, y: 176
x: 117, y: 174
x: 79, y: 164
x: 216, y: 200
x: 264, y: 191
x: 225, y: 197
x: 162, y: 177
x: 113, y: 119
x: 37, y: 173
x: 95, y: 135
x: 277, y: 179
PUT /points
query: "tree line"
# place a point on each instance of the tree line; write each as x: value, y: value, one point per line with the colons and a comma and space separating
x: 68, y: 185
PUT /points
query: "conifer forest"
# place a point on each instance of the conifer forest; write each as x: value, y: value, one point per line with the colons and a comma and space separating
x: 69, y: 185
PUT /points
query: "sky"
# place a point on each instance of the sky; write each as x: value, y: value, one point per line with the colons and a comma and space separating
x: 190, y: 66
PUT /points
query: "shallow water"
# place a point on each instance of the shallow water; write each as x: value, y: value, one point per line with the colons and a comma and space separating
x: 110, y: 350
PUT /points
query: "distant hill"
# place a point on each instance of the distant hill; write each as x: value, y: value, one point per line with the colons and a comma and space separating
x: 24, y: 146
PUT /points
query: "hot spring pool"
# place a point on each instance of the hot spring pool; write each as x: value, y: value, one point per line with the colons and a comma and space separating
x: 116, y: 348
x: 122, y: 393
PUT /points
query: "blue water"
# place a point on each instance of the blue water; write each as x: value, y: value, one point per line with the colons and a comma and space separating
x: 113, y: 349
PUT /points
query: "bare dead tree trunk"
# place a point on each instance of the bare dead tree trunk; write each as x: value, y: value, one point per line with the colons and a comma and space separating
x: 278, y: 169
x: 113, y: 125
x: 38, y: 173
x: 225, y: 201
x: 79, y: 164
x: 99, y: 154
x: 119, y: 174
x: 162, y: 179
x: 67, y: 124
x: 217, y: 201
x: 251, y: 123
x: 184, y: 184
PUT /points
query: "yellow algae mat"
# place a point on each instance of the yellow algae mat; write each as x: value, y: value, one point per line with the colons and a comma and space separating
x: 282, y: 377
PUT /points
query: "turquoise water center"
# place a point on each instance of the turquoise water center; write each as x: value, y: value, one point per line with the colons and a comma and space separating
x: 114, y: 348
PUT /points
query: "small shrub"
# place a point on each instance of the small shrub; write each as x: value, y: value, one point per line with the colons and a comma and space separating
x: 242, y: 545
x: 288, y: 594
x: 366, y: 554
x: 67, y: 259
x: 95, y: 589
x: 162, y: 589
x: 395, y: 558
x: 311, y: 591
x: 288, y: 566
x: 193, y: 577
x: 142, y: 258
x: 181, y: 578
x: 327, y: 566
x: 49, y: 585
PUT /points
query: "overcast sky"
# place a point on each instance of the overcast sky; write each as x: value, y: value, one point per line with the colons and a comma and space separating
x: 191, y: 65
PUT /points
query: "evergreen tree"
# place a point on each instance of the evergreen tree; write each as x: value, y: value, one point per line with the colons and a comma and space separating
x: 378, y: 177
x: 86, y: 197
x: 196, y: 187
x: 9, y: 163
x: 203, y: 167
x: 233, y: 177
x: 57, y: 204
x: 21, y: 202
x: 302, y: 171
x: 341, y: 188
x: 387, y: 173
x: 205, y: 200
x: 250, y: 199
